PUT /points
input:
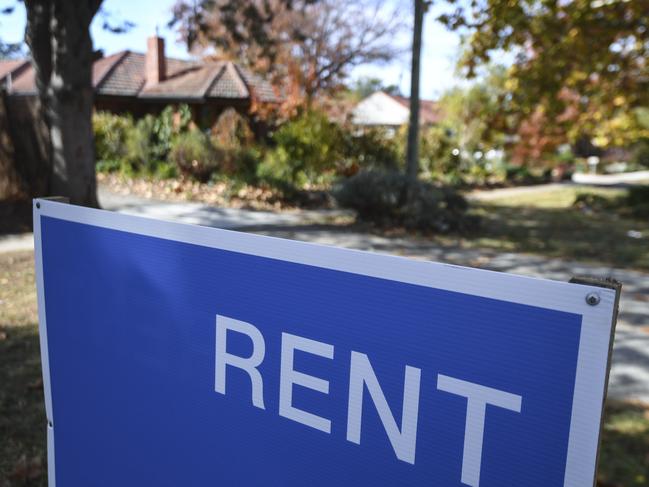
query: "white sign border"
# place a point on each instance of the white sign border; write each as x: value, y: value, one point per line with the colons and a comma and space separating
x: 596, y: 331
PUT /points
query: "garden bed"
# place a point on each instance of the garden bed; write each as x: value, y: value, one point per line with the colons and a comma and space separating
x: 225, y: 194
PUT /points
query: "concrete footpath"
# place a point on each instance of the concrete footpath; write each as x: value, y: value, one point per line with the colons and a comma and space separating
x: 630, y: 370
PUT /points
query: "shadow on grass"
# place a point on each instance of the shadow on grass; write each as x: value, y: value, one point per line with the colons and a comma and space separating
x: 624, y: 453
x: 560, y: 233
x: 22, y: 417
x: 567, y: 233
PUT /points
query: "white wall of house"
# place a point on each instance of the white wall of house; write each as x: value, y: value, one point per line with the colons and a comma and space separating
x: 380, y: 109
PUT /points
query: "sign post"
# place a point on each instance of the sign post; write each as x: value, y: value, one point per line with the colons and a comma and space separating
x: 183, y: 355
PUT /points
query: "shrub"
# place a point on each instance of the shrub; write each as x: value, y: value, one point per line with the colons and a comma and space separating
x: 141, y: 145
x: 379, y: 197
x: 149, y: 142
x: 640, y: 155
x: 166, y: 170
x: 145, y: 149
x: 369, y: 149
x: 245, y: 162
x: 233, y: 136
x: 113, y: 165
x: 111, y: 134
x: 171, y: 122
x: 523, y: 175
x: 194, y: 155
x: 634, y: 204
x: 638, y: 195
x: 436, y: 153
x: 306, y: 150
x: 638, y: 201
x: 231, y: 131
x: 279, y: 169
x: 593, y: 202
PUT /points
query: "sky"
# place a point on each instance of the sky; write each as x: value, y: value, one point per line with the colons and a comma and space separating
x: 439, y: 46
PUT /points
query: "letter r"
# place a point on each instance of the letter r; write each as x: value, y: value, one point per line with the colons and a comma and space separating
x: 247, y: 364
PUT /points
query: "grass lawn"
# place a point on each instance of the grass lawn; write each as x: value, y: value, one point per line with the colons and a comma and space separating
x: 22, y: 413
x: 624, y: 454
x: 546, y: 223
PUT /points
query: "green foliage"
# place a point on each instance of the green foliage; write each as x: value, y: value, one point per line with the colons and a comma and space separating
x: 111, y: 133
x: 150, y: 143
x: 10, y: 50
x: 444, y: 158
x: 141, y: 147
x: 467, y: 146
x: 312, y: 150
x: 194, y: 155
x: 522, y: 175
x: 165, y: 170
x: 365, y: 86
x: 638, y: 195
x: 379, y: 197
x: 244, y: 162
x: 476, y: 115
x: 232, y: 135
x: 369, y: 149
x: 638, y: 201
x: 593, y: 201
x: 556, y: 68
x: 113, y: 165
x: 307, y: 151
x: 625, y: 443
x: 439, y: 155
x: 640, y: 156
x: 231, y: 130
x: 633, y: 204
x: 166, y: 146
x: 165, y: 126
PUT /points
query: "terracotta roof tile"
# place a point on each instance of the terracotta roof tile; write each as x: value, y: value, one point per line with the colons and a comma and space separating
x: 24, y: 83
x: 127, y: 78
x: 192, y: 83
x: 123, y: 74
x: 176, y: 66
x: 429, y: 112
x: 11, y: 66
x: 228, y: 84
x: 102, y: 66
x: 261, y: 88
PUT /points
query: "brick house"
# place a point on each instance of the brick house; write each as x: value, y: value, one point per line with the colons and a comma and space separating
x: 145, y: 83
x: 125, y: 82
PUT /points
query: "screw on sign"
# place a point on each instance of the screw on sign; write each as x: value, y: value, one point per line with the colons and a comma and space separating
x: 592, y: 299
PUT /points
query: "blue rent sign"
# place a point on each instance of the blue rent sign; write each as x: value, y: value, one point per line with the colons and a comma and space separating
x: 176, y: 355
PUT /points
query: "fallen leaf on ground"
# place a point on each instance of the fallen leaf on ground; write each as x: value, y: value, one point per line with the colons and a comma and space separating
x: 27, y: 469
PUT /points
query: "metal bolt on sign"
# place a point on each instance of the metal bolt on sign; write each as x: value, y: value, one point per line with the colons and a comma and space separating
x: 592, y: 299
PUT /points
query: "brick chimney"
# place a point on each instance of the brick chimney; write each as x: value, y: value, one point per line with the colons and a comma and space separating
x: 155, y: 64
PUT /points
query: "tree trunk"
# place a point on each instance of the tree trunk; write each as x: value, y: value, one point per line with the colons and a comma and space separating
x: 59, y: 38
x: 412, y: 155
x: 36, y: 163
x: 11, y: 186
